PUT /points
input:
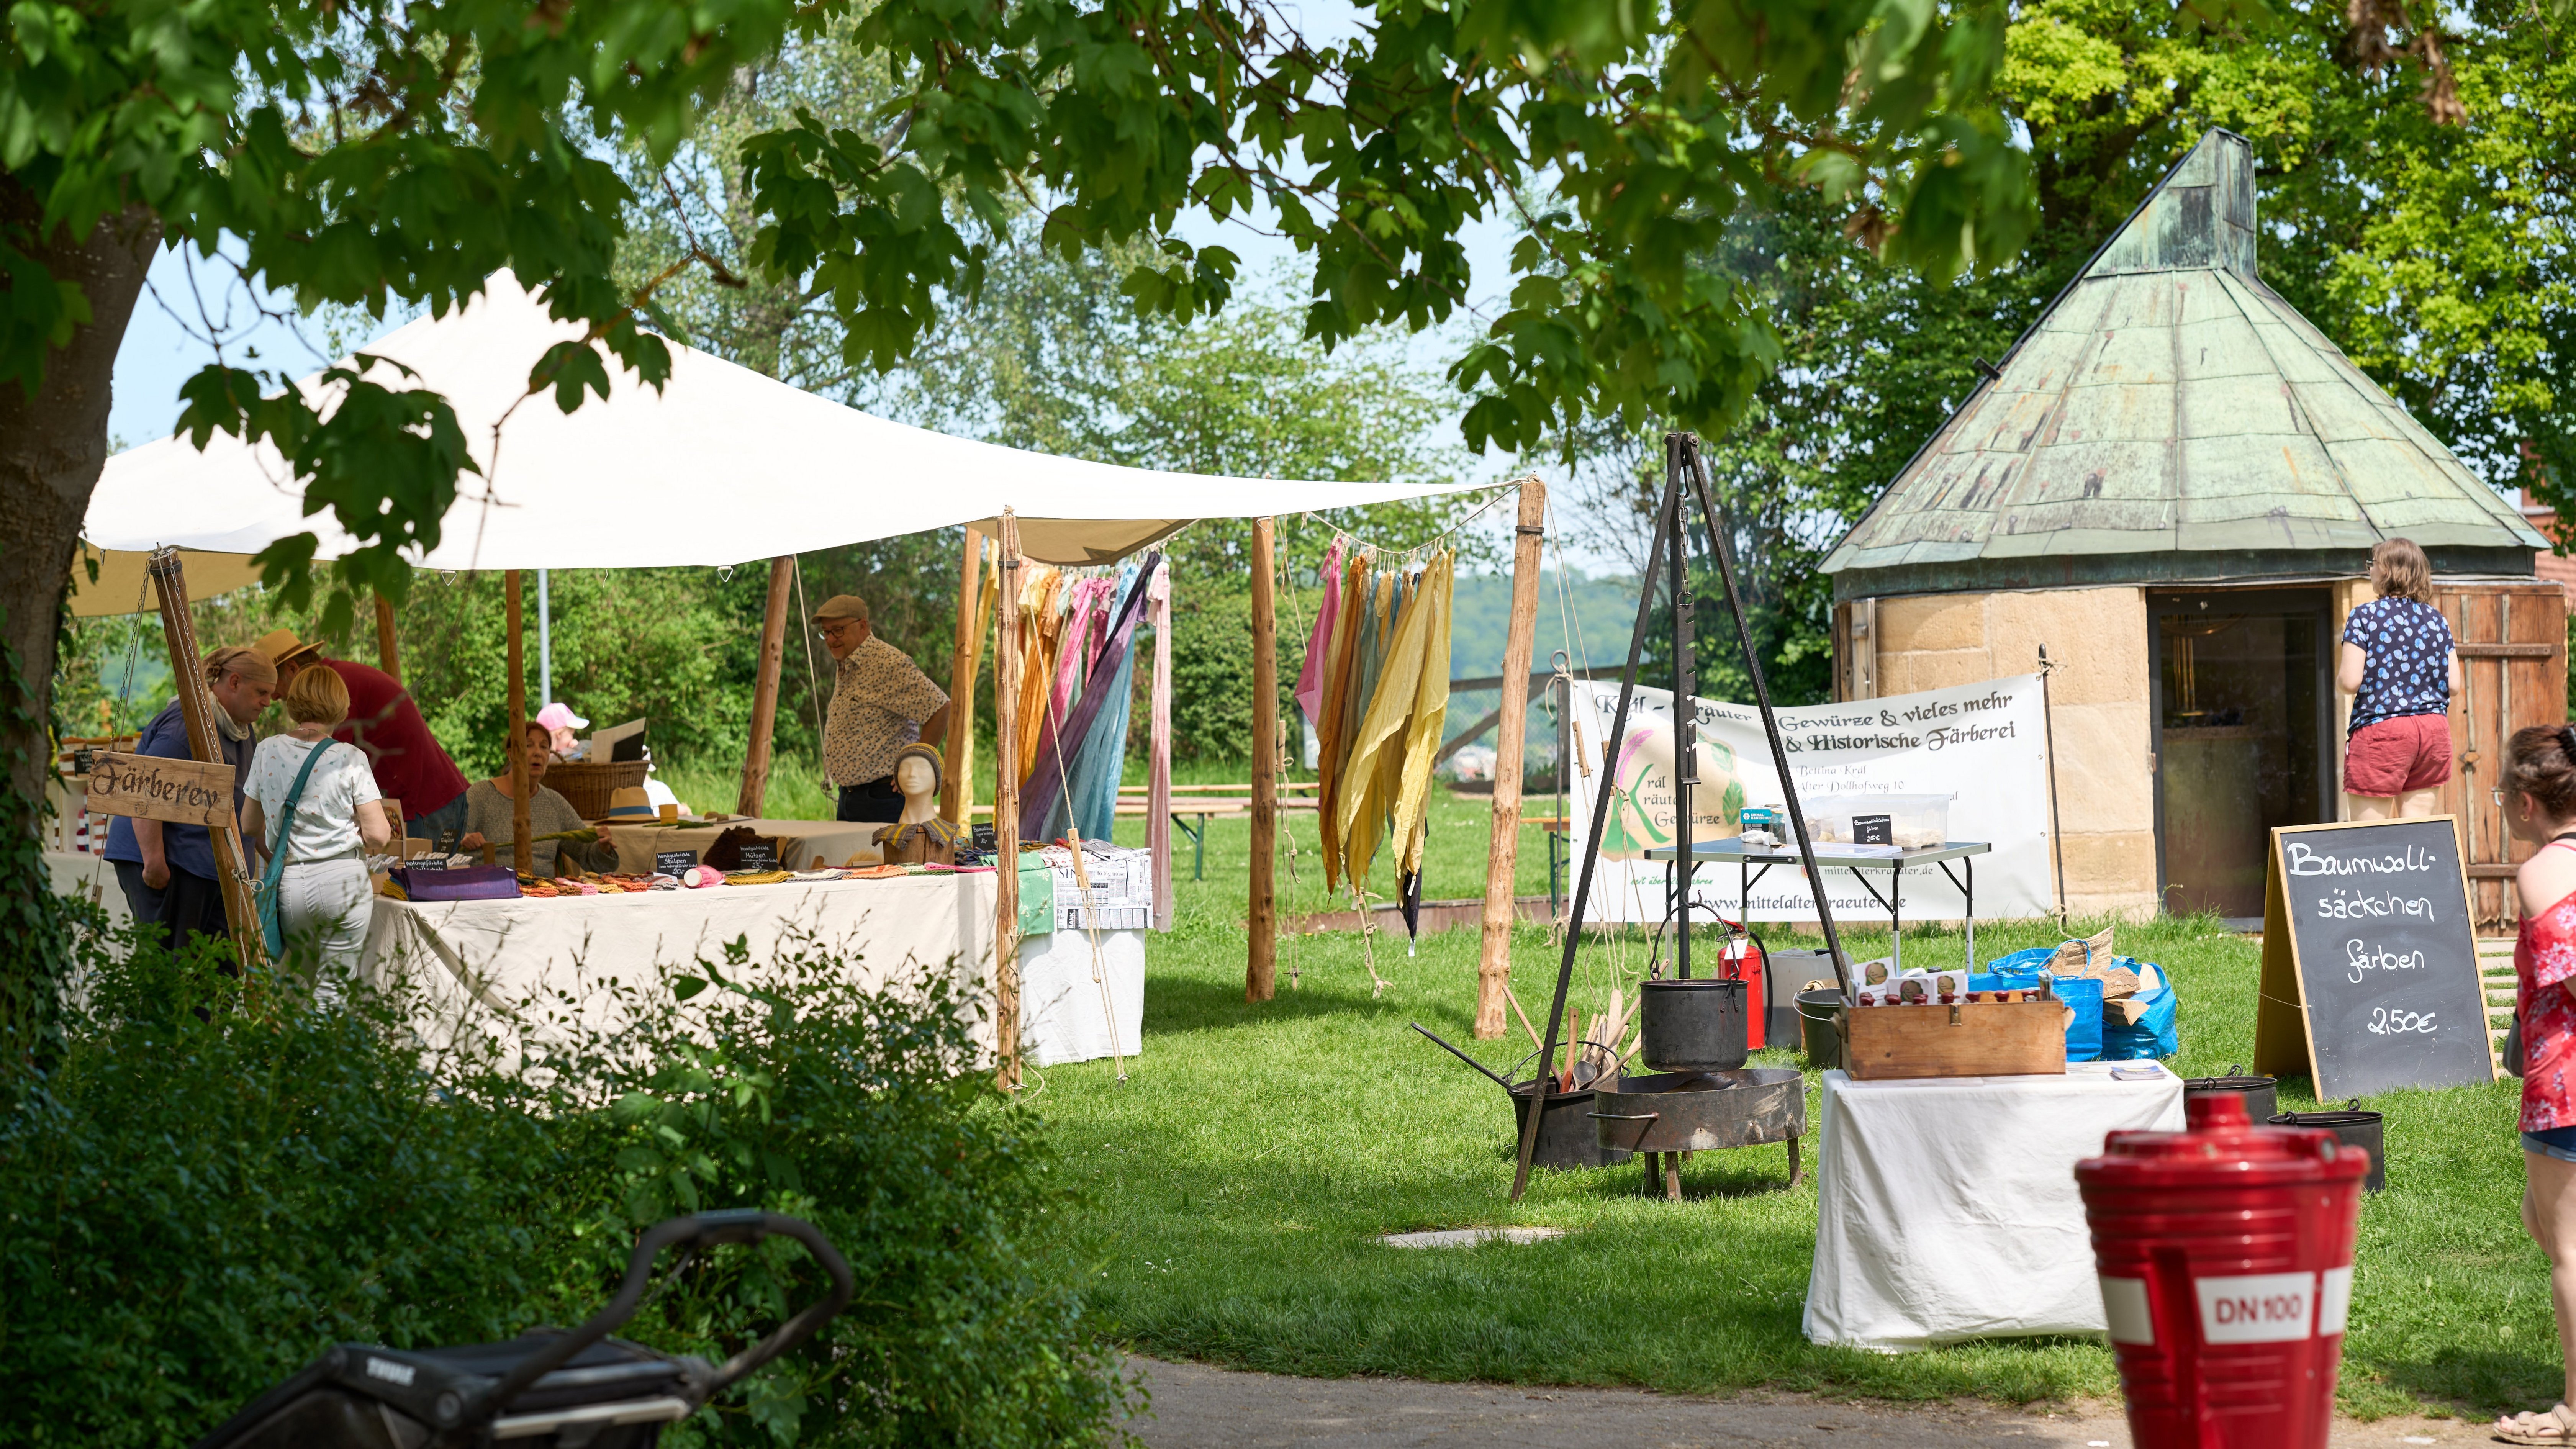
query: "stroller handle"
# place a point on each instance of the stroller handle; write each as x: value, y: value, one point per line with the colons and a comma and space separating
x: 731, y: 1226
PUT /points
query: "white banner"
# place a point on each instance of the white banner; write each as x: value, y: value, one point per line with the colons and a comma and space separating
x: 1984, y: 744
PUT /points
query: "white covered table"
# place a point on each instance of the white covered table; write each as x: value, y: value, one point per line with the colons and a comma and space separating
x: 471, y: 957
x: 1946, y: 1208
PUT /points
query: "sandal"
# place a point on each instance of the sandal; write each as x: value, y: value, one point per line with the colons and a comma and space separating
x: 2558, y: 1426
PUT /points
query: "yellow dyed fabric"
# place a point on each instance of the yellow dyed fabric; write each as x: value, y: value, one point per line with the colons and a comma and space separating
x: 1385, y: 778
x: 1041, y: 632
x: 1330, y: 730
x: 1430, y: 711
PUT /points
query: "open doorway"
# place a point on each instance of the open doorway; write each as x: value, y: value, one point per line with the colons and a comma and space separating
x: 2244, y: 713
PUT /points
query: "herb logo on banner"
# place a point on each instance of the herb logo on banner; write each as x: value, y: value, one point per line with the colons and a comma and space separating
x: 1985, y: 745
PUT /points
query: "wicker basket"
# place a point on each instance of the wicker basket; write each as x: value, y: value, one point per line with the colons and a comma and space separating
x: 590, y: 786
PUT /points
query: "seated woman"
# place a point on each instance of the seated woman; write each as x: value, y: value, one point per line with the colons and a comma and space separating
x: 488, y: 812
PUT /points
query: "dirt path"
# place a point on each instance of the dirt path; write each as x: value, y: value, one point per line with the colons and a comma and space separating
x: 1196, y: 1407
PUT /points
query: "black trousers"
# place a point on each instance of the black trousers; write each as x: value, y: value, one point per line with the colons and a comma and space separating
x: 191, y: 905
x: 878, y: 799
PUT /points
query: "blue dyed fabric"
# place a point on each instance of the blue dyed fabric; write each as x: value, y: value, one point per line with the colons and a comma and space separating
x: 2408, y: 648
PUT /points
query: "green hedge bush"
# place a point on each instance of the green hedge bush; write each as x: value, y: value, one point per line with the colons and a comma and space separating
x: 212, y: 1185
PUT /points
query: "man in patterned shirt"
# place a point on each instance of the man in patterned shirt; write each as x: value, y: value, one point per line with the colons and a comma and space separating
x: 880, y: 703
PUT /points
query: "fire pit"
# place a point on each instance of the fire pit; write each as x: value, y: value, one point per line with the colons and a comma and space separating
x: 1669, y: 1115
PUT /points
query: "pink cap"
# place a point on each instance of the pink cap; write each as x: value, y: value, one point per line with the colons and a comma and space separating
x: 559, y: 715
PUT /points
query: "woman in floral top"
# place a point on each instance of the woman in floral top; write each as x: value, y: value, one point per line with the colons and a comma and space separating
x: 2540, y: 780
x: 2401, y: 671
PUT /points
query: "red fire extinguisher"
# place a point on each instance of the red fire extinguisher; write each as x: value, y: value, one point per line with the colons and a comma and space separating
x: 2226, y: 1260
x: 1743, y: 955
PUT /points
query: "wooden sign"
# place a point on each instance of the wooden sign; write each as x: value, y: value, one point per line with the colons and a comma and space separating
x: 148, y: 787
x: 2370, y: 960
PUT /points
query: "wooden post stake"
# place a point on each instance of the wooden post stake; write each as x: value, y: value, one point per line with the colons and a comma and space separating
x: 957, y: 789
x: 1158, y: 747
x: 523, y: 851
x: 1006, y: 813
x: 1261, y: 969
x: 1502, y: 856
x: 764, y: 689
x: 188, y: 671
x: 388, y: 652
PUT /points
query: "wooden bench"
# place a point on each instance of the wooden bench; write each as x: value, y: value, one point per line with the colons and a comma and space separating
x: 1207, y: 807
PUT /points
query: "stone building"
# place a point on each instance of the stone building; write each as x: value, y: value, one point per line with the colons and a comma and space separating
x: 2172, y: 483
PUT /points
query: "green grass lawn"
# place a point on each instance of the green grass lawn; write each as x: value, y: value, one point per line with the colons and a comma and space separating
x: 1237, y: 1181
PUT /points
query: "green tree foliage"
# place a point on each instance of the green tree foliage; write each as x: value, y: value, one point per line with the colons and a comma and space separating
x: 2433, y: 252
x: 170, y: 1254
x: 378, y: 154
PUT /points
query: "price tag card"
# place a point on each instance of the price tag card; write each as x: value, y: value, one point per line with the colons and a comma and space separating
x: 759, y: 855
x: 672, y: 862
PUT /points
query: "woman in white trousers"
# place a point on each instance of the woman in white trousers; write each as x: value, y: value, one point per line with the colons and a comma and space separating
x: 324, y: 898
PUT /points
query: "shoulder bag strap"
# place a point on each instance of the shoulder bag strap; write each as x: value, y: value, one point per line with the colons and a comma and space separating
x: 286, y: 811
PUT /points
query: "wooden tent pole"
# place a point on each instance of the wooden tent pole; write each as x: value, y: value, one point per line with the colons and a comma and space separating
x: 957, y: 788
x: 1158, y: 746
x: 1006, y: 812
x: 196, y: 707
x: 1261, y: 968
x: 764, y: 689
x: 1502, y: 855
x: 388, y: 652
x: 523, y: 852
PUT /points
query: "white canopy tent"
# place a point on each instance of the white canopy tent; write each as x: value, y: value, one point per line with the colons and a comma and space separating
x: 721, y: 466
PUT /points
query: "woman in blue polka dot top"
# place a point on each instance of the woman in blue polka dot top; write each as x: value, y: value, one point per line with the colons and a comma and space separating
x: 2401, y: 671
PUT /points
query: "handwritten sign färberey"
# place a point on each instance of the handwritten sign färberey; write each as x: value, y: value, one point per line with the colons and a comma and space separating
x: 2370, y: 960
x: 148, y: 787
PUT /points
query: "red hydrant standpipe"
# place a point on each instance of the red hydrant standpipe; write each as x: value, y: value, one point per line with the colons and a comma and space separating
x: 2226, y: 1260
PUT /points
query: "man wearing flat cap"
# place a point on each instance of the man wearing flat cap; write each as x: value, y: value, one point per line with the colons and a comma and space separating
x: 880, y: 703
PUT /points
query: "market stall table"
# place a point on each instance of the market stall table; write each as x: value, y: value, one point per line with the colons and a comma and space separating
x: 1837, y: 857
x: 799, y: 841
x: 473, y: 958
x: 1946, y: 1207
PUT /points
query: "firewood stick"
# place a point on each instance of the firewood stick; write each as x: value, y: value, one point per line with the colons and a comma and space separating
x: 1524, y: 1016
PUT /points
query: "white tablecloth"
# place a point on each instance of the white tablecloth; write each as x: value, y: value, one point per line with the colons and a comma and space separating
x: 799, y: 841
x: 1947, y: 1208
x: 472, y: 957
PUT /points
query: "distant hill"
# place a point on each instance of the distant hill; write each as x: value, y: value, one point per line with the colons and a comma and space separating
x: 1602, y: 612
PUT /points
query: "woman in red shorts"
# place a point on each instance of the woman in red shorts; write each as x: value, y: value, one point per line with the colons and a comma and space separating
x: 2400, y: 669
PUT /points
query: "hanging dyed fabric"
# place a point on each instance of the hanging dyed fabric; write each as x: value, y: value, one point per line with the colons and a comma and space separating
x: 1091, y: 790
x: 1041, y: 809
x: 1366, y: 632
x: 1333, y: 726
x: 1041, y: 631
x: 1381, y: 749
x: 1435, y: 601
x: 1319, y: 644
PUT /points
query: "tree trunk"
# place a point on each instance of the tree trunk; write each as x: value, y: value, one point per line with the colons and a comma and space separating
x: 52, y: 446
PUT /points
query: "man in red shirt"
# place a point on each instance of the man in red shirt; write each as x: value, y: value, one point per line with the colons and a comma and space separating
x: 384, y: 722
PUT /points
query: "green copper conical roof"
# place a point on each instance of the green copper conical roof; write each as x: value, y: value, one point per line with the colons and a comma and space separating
x: 2172, y: 420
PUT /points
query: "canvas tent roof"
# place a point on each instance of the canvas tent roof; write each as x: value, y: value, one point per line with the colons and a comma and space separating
x: 2169, y: 420
x: 723, y: 466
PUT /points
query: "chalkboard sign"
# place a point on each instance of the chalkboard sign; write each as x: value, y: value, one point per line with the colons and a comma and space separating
x: 2370, y: 960
x: 672, y: 862
x: 759, y: 855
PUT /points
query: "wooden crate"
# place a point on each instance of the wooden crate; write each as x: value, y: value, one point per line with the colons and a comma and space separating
x: 1970, y: 1039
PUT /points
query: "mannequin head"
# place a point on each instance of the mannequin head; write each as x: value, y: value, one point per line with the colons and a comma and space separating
x: 918, y: 772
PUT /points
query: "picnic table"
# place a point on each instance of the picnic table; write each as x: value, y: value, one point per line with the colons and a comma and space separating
x: 1207, y: 802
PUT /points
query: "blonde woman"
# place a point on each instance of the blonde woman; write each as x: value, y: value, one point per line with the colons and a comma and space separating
x: 324, y: 830
x: 2401, y: 670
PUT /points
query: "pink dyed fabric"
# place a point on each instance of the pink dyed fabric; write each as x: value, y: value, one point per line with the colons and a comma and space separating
x: 1310, y: 678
